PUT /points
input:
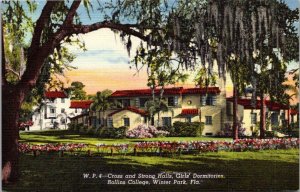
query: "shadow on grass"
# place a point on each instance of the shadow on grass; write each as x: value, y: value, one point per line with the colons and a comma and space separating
x: 51, y: 173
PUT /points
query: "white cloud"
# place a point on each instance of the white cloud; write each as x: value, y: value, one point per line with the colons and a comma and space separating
x: 104, y: 49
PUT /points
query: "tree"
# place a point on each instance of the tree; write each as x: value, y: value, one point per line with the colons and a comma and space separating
x: 154, y: 107
x: 102, y: 103
x: 184, y: 28
x: 77, y: 91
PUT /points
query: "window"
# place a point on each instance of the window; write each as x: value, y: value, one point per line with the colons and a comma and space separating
x: 62, y: 110
x: 211, y: 100
x: 126, y: 122
x: 62, y: 100
x: 189, y: 119
x: 143, y: 101
x: 52, y: 110
x: 126, y: 102
x: 94, y: 121
x: 203, y: 100
x: 167, y: 121
x: 274, y: 118
x: 208, y: 100
x: 137, y: 102
x: 208, y: 120
x: 119, y: 103
x: 63, y: 121
x: 76, y: 110
x: 109, y: 122
x: 86, y: 120
x: 171, y: 101
x: 253, y: 118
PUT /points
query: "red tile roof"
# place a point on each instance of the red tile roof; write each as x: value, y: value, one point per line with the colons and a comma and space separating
x: 189, y: 112
x: 55, y: 94
x: 85, y: 104
x: 204, y: 90
x: 294, y: 112
x: 167, y: 91
x: 132, y: 109
x: 273, y: 106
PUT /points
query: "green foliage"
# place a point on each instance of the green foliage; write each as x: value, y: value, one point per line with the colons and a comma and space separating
x: 184, y: 129
x: 204, y: 79
x: 112, y: 132
x: 77, y: 91
x: 101, y: 101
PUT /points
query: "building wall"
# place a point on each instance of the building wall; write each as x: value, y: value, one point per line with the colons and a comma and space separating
x: 135, y: 119
x: 244, y: 115
x: 217, y: 112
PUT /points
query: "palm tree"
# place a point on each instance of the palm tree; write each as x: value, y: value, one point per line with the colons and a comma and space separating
x: 155, y: 107
x: 102, y: 103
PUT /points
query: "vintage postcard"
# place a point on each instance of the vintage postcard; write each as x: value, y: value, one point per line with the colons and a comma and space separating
x: 139, y: 95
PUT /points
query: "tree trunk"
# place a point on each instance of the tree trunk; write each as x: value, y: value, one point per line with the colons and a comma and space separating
x: 235, y: 130
x: 262, y: 126
x: 11, y: 103
x: 103, y: 119
x: 288, y: 119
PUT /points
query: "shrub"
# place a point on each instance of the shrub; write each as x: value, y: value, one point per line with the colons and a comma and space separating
x: 83, y: 129
x: 112, y: 132
x: 91, y: 131
x: 227, y: 131
x: 185, y: 129
x: 169, y: 129
x: 269, y: 134
x: 144, y: 131
x: 71, y: 126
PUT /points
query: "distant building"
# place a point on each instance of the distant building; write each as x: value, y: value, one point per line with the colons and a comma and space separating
x: 55, y: 110
x: 186, y: 105
x: 208, y: 105
x: 249, y: 114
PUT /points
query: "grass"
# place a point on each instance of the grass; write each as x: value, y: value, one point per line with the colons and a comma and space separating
x: 264, y: 171
x: 272, y: 170
x: 64, y: 136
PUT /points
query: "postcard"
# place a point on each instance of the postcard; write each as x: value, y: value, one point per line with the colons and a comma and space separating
x: 168, y: 95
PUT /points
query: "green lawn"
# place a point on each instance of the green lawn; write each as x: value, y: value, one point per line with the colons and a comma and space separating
x: 65, y: 136
x: 264, y: 171
x: 270, y: 170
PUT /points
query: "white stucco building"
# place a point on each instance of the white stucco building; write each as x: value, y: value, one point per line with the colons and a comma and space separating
x: 56, y: 110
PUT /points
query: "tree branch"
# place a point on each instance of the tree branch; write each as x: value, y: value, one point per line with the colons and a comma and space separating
x: 71, y: 13
x: 36, y: 54
x: 127, y: 28
x: 44, y: 17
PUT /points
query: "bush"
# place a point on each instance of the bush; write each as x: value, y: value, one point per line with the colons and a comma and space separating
x: 112, y: 132
x: 144, y: 131
x: 83, y: 129
x: 91, y: 131
x: 227, y: 131
x: 269, y: 134
x: 185, y: 129
x: 72, y: 126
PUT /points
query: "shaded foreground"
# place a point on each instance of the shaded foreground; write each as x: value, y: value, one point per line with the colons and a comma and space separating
x: 263, y: 170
